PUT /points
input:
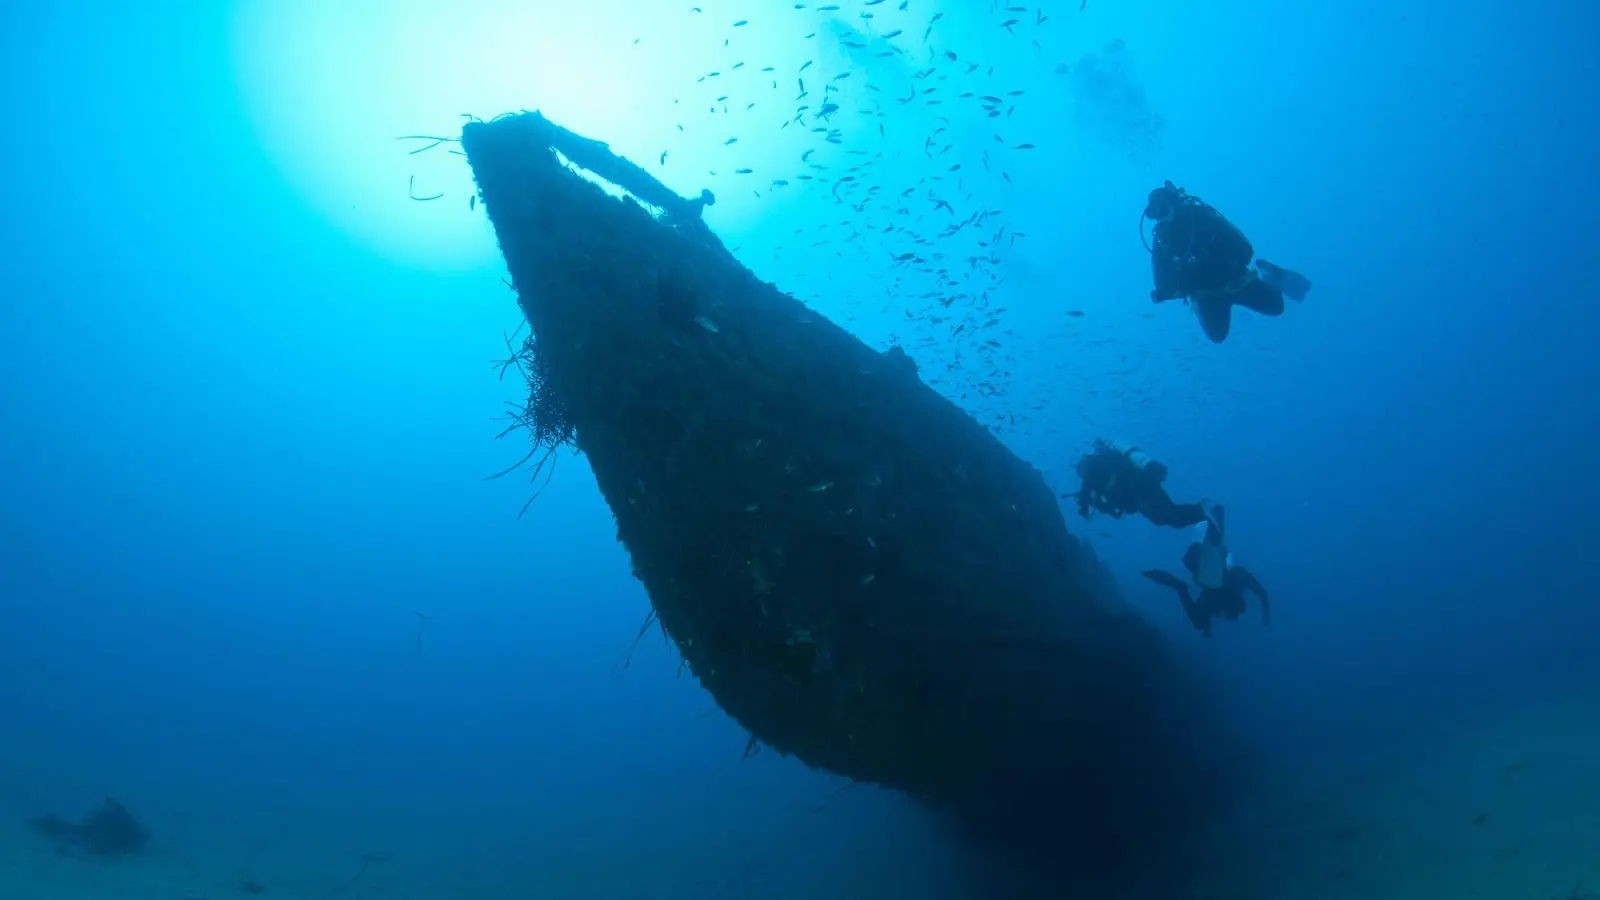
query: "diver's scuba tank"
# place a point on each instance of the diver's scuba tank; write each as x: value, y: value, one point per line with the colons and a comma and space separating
x: 1136, y: 456
x: 1213, y: 560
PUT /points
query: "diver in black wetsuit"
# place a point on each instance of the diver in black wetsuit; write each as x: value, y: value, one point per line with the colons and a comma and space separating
x: 1121, y: 480
x: 1198, y: 254
x: 1222, y: 583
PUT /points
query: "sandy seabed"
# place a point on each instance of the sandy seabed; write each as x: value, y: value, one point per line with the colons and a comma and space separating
x: 1508, y: 809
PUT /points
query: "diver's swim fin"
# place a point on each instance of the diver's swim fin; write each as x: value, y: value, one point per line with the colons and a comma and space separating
x: 1167, y: 579
x: 1294, y: 285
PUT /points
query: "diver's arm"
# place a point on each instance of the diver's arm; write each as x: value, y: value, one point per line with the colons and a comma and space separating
x: 1252, y: 584
x: 1166, y: 266
x: 1163, y: 273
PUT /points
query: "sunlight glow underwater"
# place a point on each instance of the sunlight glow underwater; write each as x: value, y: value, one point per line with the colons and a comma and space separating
x: 332, y: 86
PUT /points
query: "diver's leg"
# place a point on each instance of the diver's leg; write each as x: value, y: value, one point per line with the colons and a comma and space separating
x: 1215, y: 314
x: 1187, y: 515
x: 1260, y: 297
x: 1163, y: 513
x: 1197, y: 616
x: 1158, y: 509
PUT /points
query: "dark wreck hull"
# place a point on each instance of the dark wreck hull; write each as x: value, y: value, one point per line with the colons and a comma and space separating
x: 858, y: 571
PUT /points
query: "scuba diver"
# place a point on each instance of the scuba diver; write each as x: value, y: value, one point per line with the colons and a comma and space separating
x: 1121, y: 480
x: 1196, y: 253
x: 1222, y: 583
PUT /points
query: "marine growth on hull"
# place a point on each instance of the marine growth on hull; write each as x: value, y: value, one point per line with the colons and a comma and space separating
x: 859, y: 573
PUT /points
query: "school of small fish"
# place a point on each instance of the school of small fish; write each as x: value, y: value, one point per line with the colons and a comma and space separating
x: 880, y: 147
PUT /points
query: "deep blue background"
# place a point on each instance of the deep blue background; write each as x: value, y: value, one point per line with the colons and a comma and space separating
x: 240, y: 450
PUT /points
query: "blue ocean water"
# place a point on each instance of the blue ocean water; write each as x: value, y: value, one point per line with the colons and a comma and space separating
x: 257, y: 588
